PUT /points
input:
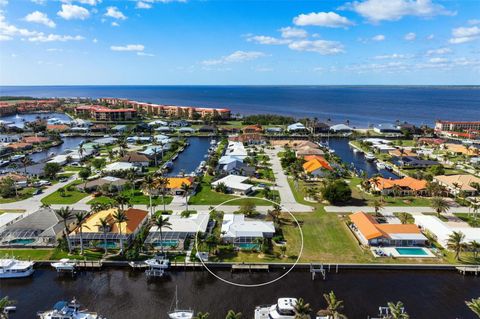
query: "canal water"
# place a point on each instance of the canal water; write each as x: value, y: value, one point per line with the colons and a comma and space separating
x: 188, y: 160
x: 20, y: 119
x: 120, y: 293
x: 346, y: 153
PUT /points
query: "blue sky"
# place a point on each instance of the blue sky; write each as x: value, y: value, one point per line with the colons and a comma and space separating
x: 68, y: 42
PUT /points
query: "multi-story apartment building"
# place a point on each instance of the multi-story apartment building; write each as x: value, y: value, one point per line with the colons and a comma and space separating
x: 457, y: 126
x: 173, y: 111
x: 105, y: 114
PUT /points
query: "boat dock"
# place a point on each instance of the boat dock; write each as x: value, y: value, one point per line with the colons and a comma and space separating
x: 250, y: 267
x: 89, y: 264
x: 469, y: 270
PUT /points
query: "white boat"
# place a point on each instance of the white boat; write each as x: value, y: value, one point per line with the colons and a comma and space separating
x: 369, y: 156
x: 380, y: 165
x: 178, y: 313
x: 13, y: 268
x: 16, y: 157
x: 213, y: 142
x: 283, y: 309
x: 159, y: 262
x: 3, y: 163
x: 64, y: 265
x: 68, y: 310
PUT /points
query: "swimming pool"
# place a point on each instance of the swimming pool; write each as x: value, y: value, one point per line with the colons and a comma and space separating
x: 110, y: 245
x: 414, y: 251
x: 26, y: 241
x: 249, y: 246
x: 166, y: 243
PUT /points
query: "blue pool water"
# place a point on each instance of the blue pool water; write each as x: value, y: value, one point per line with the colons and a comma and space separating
x: 110, y: 245
x: 412, y: 251
x: 21, y: 241
x: 248, y: 246
x: 166, y: 243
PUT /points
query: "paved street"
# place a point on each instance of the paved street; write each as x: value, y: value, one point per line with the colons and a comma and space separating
x: 389, y: 210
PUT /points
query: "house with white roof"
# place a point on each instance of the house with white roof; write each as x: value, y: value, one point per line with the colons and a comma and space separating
x: 235, y: 183
x: 158, y: 123
x: 238, y: 230
x: 236, y: 149
x: 120, y: 166
x: 341, y: 128
x: 296, y: 127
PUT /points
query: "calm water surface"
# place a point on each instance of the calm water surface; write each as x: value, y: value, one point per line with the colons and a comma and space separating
x: 190, y: 158
x: 118, y: 293
x: 20, y: 119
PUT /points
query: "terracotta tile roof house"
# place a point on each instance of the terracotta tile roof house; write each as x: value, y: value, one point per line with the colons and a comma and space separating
x: 58, y: 128
x: 405, y: 186
x: 15, y: 177
x: 457, y: 183
x: 249, y: 138
x: 257, y: 128
x: 307, y: 150
x: 93, y: 234
x: 460, y: 149
x: 400, y: 153
x: 371, y: 233
x: 316, y: 165
x: 135, y: 158
x: 20, y: 146
x: 35, y: 139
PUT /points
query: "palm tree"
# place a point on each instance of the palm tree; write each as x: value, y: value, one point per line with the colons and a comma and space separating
x: 65, y: 213
x: 104, y: 225
x: 397, y: 311
x: 440, y: 205
x: 334, y: 306
x: 4, y: 303
x: 475, y: 247
x: 233, y: 315
x: 120, y: 217
x: 111, y: 154
x: 474, y: 305
x: 80, y: 218
x: 404, y: 217
x: 455, y: 243
x: 161, y: 183
x: 121, y: 201
x: 81, y: 150
x: 161, y: 222
x: 202, y: 315
x: 275, y: 213
x: 25, y: 162
x: 186, y: 189
x: 378, y: 206
x: 283, y: 249
x: 147, y: 185
x: 132, y: 176
x: 302, y: 309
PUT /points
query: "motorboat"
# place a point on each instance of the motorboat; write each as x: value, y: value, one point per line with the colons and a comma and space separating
x: 3, y: 163
x: 64, y: 265
x: 68, y: 310
x: 384, y: 313
x: 380, y: 165
x: 283, y: 309
x: 13, y: 268
x: 177, y: 313
x: 159, y: 262
x: 16, y: 157
x: 369, y: 157
x: 213, y: 142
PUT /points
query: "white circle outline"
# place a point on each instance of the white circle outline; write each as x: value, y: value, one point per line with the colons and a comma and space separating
x: 252, y: 285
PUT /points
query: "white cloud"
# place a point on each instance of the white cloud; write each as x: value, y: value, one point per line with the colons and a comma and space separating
x: 8, y: 31
x: 392, y: 10
x: 439, y: 51
x: 4, y: 37
x: 394, y: 56
x: 323, y: 47
x: 143, y: 5
x: 145, y: 54
x: 113, y: 12
x: 41, y: 2
x: 262, y: 39
x: 89, y: 2
x: 289, y: 32
x: 410, y: 36
x: 71, y: 12
x: 40, y: 17
x: 235, y: 57
x: 464, y: 34
x: 55, y: 38
x: 438, y: 60
x: 54, y: 50
x: 323, y: 19
x: 95, y: 40
x: 473, y: 21
x: 378, y: 38
x: 128, y: 47
x: 115, y: 24
x: 3, y: 3
x: 430, y: 37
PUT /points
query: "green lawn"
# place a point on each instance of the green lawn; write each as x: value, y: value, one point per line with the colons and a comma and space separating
x: 27, y: 254
x: 22, y: 194
x: 136, y: 198
x: 70, y: 197
x: 471, y: 219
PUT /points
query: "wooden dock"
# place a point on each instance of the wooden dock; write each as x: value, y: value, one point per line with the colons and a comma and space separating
x: 318, y: 269
x: 138, y: 265
x: 249, y: 267
x: 469, y: 270
x: 89, y: 264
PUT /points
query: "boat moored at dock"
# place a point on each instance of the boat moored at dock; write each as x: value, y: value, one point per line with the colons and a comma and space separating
x: 283, y: 309
x: 68, y: 310
x: 13, y: 268
x: 369, y: 156
x: 64, y: 265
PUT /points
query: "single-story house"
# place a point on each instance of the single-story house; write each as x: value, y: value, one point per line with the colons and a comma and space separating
x: 186, y: 130
x: 93, y: 234
x: 249, y: 138
x: 236, y: 167
x: 139, y: 139
x: 207, y: 129
x: 383, y: 148
x: 320, y: 127
x: 111, y: 181
x: 406, y: 186
x: 120, y: 166
x: 7, y: 219
x: 413, y: 162
x: 256, y: 128
x: 158, y: 123
x: 119, y: 128
x: 386, y: 128
x: 296, y: 127
x: 316, y: 165
x: 400, y: 152
x: 40, y: 228
x: 105, y: 140
x: 164, y: 129
x: 136, y: 159
x: 370, y: 232
x: 20, y: 180
x: 441, y: 230
x: 179, y: 123
x: 20, y: 146
x: 308, y: 151
x: 339, y: 128
x: 180, y: 229
x: 459, y: 183
x: 174, y: 185
x: 235, y: 184
x: 35, y: 139
x: 58, y: 128
x: 236, y: 149
x: 238, y: 230
x: 274, y: 130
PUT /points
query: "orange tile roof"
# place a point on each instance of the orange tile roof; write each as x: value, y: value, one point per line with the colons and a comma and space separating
x: 406, y: 182
x: 177, y: 182
x: 19, y: 145
x: 35, y: 139
x: 57, y: 127
x: 135, y: 218
x: 316, y: 163
x: 405, y: 153
x: 370, y: 228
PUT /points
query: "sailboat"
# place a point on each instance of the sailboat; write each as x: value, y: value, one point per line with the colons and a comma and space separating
x: 178, y: 313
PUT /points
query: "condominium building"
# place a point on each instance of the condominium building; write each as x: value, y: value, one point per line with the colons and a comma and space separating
x: 103, y: 113
x: 457, y: 126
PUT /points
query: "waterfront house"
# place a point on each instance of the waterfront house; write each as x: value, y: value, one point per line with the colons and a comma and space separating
x: 19, y: 146
x: 137, y: 159
x: 40, y: 229
x: 296, y: 127
x: 303, y: 151
x: 234, y: 166
x: 35, y: 139
x: 274, y: 130
x: 207, y: 129
x: 383, y: 148
x: 371, y: 233
x: 99, y: 183
x: 238, y: 230
x: 179, y: 230
x: 164, y: 129
x: 236, y: 149
x: 413, y: 162
x: 179, y: 123
x: 386, y: 128
x: 406, y: 186
x: 256, y: 128
x: 316, y: 165
x: 235, y: 184
x: 120, y: 167
x: 459, y: 183
x: 119, y: 128
x: 9, y: 138
x: 20, y: 181
x: 400, y: 152
x: 321, y: 127
x: 174, y: 185
x: 186, y: 130
x: 93, y: 234
x: 441, y: 231
x: 249, y: 139
x: 60, y: 128
x: 158, y: 123
x: 139, y: 139
x: 341, y: 128
x: 105, y: 141
x: 7, y: 219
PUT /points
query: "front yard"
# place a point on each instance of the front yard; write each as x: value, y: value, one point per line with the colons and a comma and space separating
x: 70, y: 196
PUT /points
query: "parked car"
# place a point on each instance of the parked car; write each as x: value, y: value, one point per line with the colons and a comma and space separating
x: 37, y: 191
x: 63, y: 179
x: 41, y: 183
